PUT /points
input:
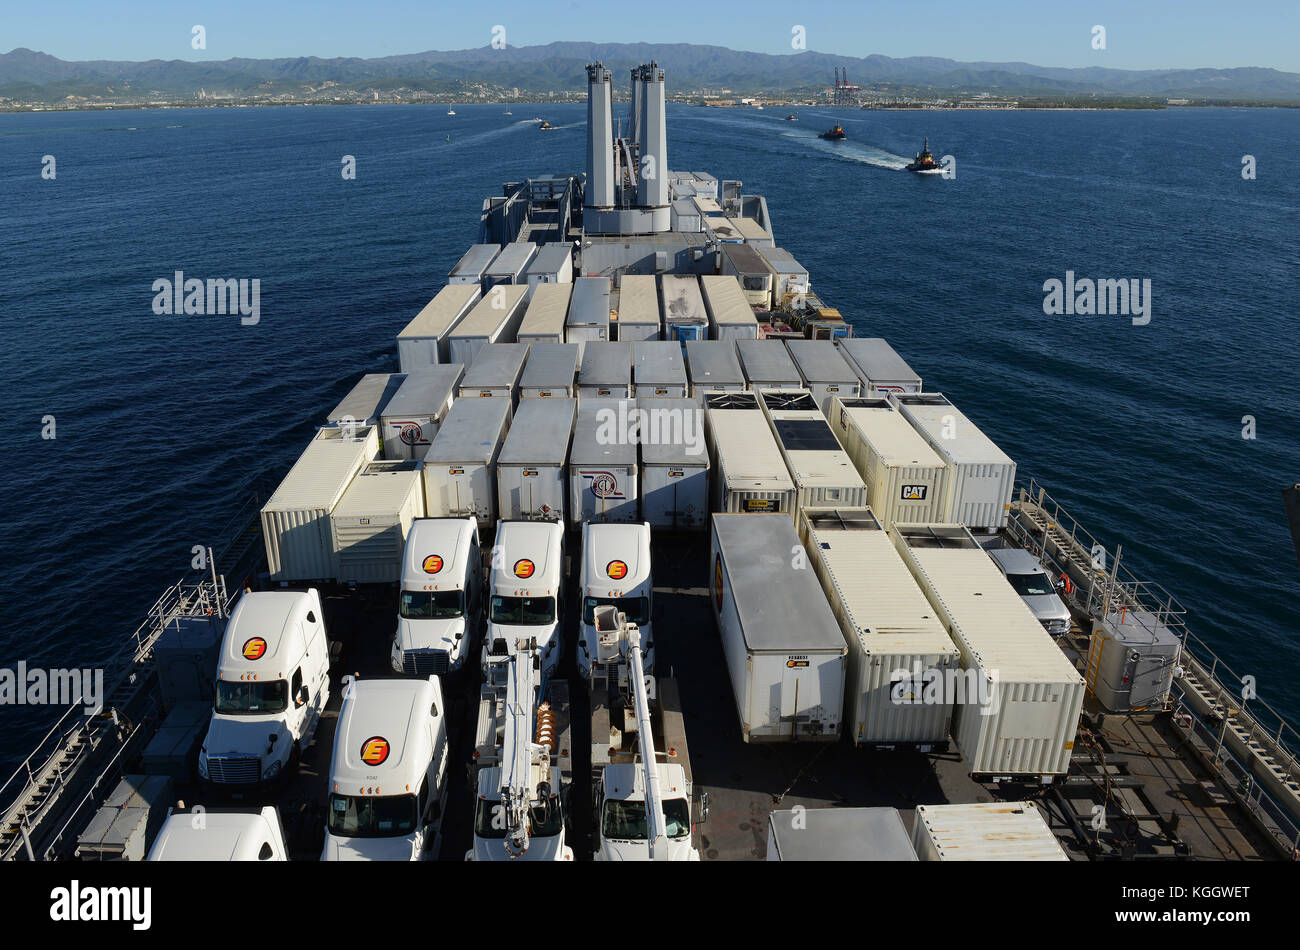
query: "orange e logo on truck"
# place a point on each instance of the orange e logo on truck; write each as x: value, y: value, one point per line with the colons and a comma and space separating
x: 254, y: 649
x: 617, y: 570
x: 524, y: 568
x: 374, y: 750
x: 433, y: 564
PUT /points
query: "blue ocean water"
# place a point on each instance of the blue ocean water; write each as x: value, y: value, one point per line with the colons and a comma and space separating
x: 162, y: 421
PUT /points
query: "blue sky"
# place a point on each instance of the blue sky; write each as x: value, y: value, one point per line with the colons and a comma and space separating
x: 1139, y: 33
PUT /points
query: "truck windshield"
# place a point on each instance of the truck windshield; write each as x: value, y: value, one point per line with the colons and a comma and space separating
x: 544, y: 821
x: 1030, y: 585
x: 373, y: 816
x: 626, y: 820
x: 432, y: 604
x: 636, y: 608
x: 252, y: 699
x: 523, y: 610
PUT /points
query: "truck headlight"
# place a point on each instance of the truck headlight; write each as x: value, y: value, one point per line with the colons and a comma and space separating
x: 273, y: 769
x: 203, y: 763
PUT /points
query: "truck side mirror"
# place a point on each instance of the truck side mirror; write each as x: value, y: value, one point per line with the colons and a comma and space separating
x: 302, y: 697
x: 704, y: 806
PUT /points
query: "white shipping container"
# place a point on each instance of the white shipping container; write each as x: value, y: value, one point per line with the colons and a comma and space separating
x: 906, y: 479
x: 603, y: 471
x: 638, y: 309
x: 712, y: 366
x: 754, y: 277
x: 674, y: 464
x: 544, y: 319
x: 685, y: 216
x: 767, y: 365
x: 413, y: 415
x: 473, y: 264
x: 508, y: 266
x: 365, y: 402
x: 658, y: 370
x: 981, y: 477
x: 295, y: 520
x: 731, y: 317
x: 823, y: 370
x: 897, y: 644
x: 588, y: 318
x: 423, y: 341
x: 784, y: 650
x: 880, y: 369
x: 822, y: 471
x: 682, y: 304
x: 749, y: 474
x: 790, y: 278
x: 1017, y: 710
x: 494, y: 319
x: 532, y: 470
x: 984, y: 831
x: 551, y: 371
x: 606, y: 371
x: 552, y: 265
x: 836, y: 833
x: 495, y: 373
x: 460, y: 479
x: 368, y: 526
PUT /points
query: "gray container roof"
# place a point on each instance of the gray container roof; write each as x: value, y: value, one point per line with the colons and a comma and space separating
x: 540, y: 432
x: 496, y: 365
x: 427, y: 390
x: 782, y: 608
x: 714, y: 362
x: 606, y: 364
x: 767, y: 361
x: 512, y: 260
x: 665, y: 426
x: 820, y: 361
x: 550, y: 258
x: 589, y: 305
x: 841, y: 834
x: 877, y: 359
x: 551, y: 364
x: 471, y: 432
x: 591, y: 445
x: 475, y: 261
x: 657, y: 361
x: 368, y: 397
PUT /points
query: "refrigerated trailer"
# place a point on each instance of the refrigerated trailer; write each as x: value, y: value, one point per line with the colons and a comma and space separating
x: 879, y: 368
x: 822, y: 472
x: 824, y: 372
x: 588, y: 319
x: 494, y: 319
x: 750, y: 272
x: 603, y: 470
x: 495, y: 373
x: 783, y: 648
x: 508, y: 266
x: 460, y: 479
x: 749, y: 474
x: 423, y: 342
x: 638, y: 309
x: 685, y: 317
x: 365, y: 402
x: 605, y: 371
x: 731, y: 313
x: 674, y: 464
x: 898, y: 648
x: 658, y: 370
x: 767, y: 365
x: 1016, y: 709
x: 413, y: 415
x: 790, y: 281
x: 544, y: 319
x: 551, y: 372
x: 712, y: 366
x: 473, y: 264
x: 552, y: 265
x: 532, y: 471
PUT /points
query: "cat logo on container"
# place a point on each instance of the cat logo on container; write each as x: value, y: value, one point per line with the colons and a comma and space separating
x: 254, y: 648
x: 433, y: 564
x: 717, y: 581
x: 374, y: 750
x: 617, y: 570
x: 914, y: 492
x: 524, y: 568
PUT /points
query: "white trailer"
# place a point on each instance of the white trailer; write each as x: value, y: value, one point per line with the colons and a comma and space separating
x: 368, y: 526
x: 494, y: 319
x: 460, y: 477
x: 532, y: 474
x: 981, y: 477
x: 824, y: 372
x: 544, y: 319
x: 984, y: 831
x: 295, y: 520
x: 411, y: 419
x: 495, y: 373
x: 365, y: 402
x: 685, y: 317
x: 603, y: 471
x: 473, y: 264
x: 588, y: 318
x: 606, y: 371
x: 790, y: 281
x: 638, y: 309
x: 552, y: 265
x: 906, y: 479
x: 767, y: 365
x: 749, y: 474
x: 551, y: 371
x: 783, y: 648
x: 746, y: 265
x: 1016, y: 709
x: 712, y: 366
x: 879, y: 368
x: 508, y: 266
x: 423, y: 342
x: 822, y: 471
x: 674, y: 464
x: 900, y: 656
x: 658, y: 370
x: 731, y: 315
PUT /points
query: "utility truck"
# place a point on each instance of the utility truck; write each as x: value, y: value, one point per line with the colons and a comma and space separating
x: 643, y: 798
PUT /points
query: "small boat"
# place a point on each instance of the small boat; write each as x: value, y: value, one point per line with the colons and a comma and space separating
x: 451, y: 112
x: 546, y: 126
x: 924, y: 163
x: 759, y: 107
x: 509, y: 113
x: 833, y: 134
x: 792, y: 118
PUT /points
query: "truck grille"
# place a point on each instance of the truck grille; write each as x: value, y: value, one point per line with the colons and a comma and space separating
x: 424, y: 662
x: 1057, y: 628
x: 235, y: 771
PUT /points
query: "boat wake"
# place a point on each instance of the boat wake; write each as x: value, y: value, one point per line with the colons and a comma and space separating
x: 850, y: 151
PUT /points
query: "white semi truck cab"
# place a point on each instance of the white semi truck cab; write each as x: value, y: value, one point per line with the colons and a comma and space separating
x: 643, y: 797
x: 221, y: 834
x: 616, y: 572
x: 440, y: 604
x: 272, y: 686
x: 525, y: 595
x: 388, y: 776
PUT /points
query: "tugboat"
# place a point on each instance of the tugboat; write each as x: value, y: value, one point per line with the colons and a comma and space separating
x: 833, y: 134
x: 924, y: 163
x: 792, y: 118
x: 546, y: 126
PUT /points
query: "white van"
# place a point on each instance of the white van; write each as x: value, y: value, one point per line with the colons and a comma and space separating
x: 439, y: 608
x: 525, y: 594
x: 251, y: 833
x: 272, y: 686
x: 388, y: 776
x: 616, y: 571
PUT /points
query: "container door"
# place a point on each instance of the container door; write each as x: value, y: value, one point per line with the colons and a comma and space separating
x: 798, y: 691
